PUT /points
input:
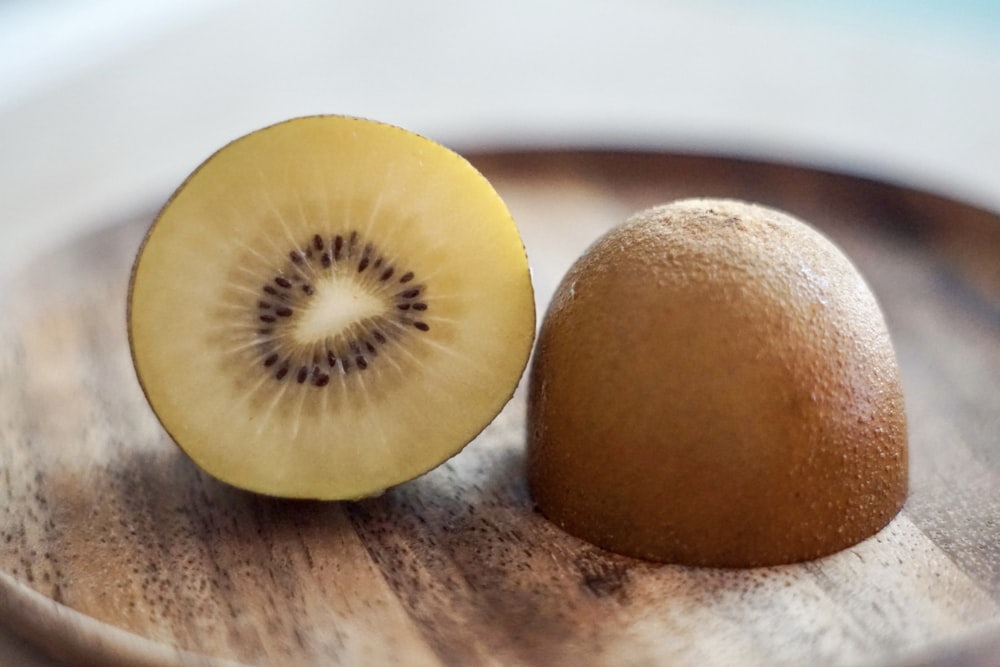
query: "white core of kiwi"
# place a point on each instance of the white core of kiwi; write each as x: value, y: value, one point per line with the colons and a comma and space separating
x: 336, y: 306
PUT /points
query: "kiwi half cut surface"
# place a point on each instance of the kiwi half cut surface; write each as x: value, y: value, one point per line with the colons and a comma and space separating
x: 328, y: 307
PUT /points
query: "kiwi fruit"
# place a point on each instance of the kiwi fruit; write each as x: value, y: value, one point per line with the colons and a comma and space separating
x: 328, y: 307
x: 714, y: 384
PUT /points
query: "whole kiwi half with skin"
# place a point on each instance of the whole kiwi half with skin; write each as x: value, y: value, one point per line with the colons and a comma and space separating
x: 328, y: 307
x: 739, y: 404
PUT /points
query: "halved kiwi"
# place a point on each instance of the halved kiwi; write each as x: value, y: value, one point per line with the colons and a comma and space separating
x: 741, y: 403
x: 328, y: 307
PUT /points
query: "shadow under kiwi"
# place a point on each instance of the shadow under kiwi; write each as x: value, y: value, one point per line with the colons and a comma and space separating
x: 483, y: 575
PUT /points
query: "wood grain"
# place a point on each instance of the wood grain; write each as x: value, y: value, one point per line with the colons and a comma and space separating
x: 115, y: 549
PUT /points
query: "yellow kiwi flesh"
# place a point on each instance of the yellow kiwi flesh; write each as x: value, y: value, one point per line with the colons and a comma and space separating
x: 328, y: 307
x: 714, y: 384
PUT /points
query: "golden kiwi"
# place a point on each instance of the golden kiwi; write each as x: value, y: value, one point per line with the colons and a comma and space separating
x: 328, y: 307
x: 714, y: 384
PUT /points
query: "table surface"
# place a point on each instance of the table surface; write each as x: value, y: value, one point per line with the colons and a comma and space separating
x: 119, y: 550
x: 110, y: 119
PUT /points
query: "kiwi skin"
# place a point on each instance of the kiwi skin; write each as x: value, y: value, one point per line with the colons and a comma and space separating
x: 714, y: 384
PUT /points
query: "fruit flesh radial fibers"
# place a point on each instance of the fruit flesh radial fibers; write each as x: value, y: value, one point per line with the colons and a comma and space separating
x: 364, y: 192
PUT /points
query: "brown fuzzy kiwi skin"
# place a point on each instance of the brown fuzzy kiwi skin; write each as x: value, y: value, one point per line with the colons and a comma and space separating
x: 714, y: 384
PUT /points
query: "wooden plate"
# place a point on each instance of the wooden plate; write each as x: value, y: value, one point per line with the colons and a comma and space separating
x: 115, y: 549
